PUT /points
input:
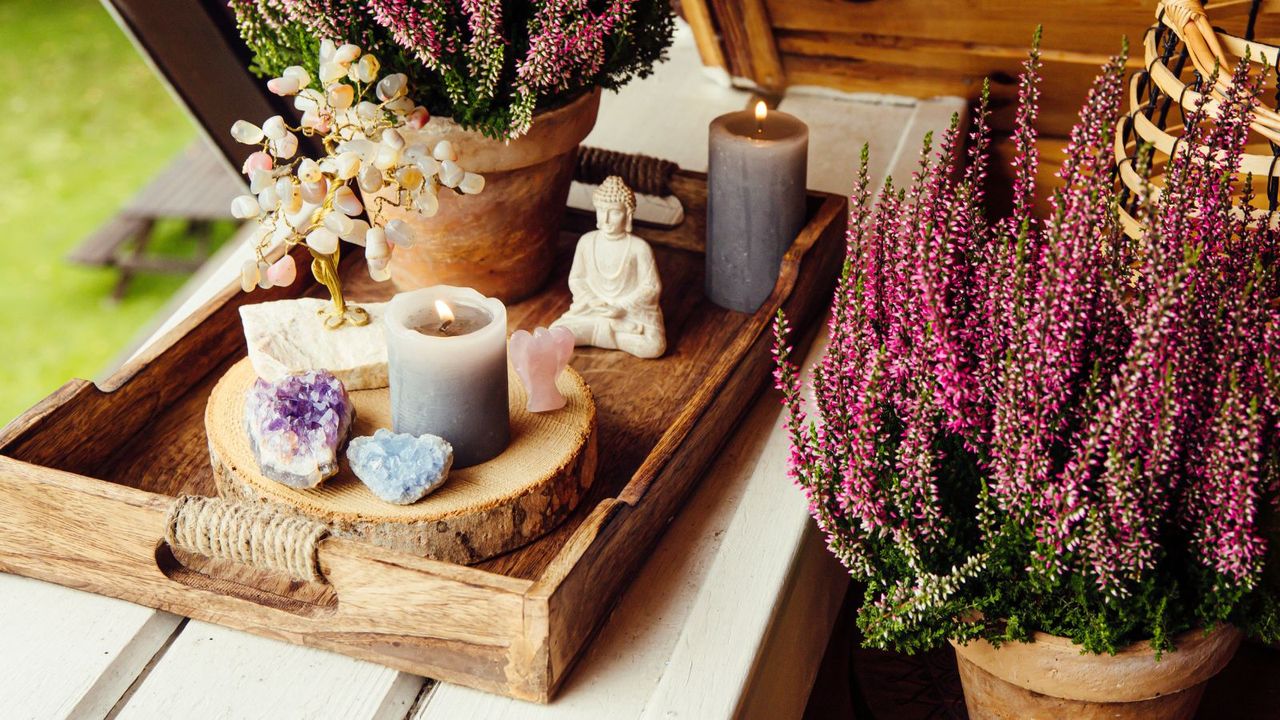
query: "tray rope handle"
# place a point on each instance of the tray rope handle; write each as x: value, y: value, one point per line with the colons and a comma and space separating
x: 643, y: 174
x: 253, y: 535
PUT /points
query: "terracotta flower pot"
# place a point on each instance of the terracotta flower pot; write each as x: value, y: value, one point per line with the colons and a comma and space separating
x: 502, y: 241
x: 1050, y: 678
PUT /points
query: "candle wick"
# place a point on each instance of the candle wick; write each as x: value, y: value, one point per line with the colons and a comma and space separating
x: 444, y: 327
x: 759, y: 127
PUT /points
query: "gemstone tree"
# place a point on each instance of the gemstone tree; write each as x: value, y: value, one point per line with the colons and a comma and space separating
x: 298, y: 200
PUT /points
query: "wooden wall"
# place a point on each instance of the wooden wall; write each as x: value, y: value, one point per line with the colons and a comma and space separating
x: 935, y: 47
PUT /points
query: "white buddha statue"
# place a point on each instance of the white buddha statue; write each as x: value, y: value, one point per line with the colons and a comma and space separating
x: 614, y: 281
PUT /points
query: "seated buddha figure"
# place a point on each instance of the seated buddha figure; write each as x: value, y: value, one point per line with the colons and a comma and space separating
x: 614, y: 281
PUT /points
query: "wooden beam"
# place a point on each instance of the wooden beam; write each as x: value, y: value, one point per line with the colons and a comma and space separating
x: 764, y: 50
x: 698, y: 15
x: 1093, y: 26
x: 194, y: 47
x: 748, y: 37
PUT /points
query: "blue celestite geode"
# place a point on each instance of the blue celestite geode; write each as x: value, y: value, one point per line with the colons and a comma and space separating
x: 297, y: 425
x: 398, y: 467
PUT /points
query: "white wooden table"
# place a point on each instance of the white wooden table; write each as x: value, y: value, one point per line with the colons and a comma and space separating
x: 729, y: 617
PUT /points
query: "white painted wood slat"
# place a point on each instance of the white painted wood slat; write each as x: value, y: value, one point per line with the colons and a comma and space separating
x: 772, y: 583
x: 622, y: 126
x: 666, y: 114
x: 691, y: 636
x: 68, y: 653
x: 617, y: 674
x: 740, y: 557
x: 214, y: 673
x: 839, y: 124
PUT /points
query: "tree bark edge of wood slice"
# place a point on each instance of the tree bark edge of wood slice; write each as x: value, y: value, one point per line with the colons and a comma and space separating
x: 478, y: 513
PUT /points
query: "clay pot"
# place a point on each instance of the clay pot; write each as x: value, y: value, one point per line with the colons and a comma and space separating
x: 1050, y: 678
x: 502, y: 241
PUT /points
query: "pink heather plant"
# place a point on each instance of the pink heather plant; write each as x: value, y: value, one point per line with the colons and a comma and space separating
x: 1027, y: 425
x: 489, y: 64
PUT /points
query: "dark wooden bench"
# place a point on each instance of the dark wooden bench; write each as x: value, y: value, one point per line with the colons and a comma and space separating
x: 197, y: 187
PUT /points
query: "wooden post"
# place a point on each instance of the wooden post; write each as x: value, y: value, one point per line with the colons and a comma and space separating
x: 698, y: 15
x: 193, y: 46
x: 748, y: 37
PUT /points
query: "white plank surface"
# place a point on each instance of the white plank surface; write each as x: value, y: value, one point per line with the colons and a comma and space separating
x: 729, y: 616
x: 666, y: 115
x: 213, y: 673
x: 617, y: 674
x: 839, y: 124
x: 622, y: 126
x: 687, y: 636
x: 759, y: 554
x: 70, y: 654
x: 650, y: 209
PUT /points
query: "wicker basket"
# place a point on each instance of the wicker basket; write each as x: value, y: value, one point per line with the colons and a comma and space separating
x: 1180, y: 53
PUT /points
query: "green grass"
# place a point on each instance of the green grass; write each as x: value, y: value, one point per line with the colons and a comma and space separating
x: 83, y: 125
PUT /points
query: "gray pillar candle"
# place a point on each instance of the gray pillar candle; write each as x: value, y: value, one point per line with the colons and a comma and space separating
x: 449, y: 377
x: 755, y: 202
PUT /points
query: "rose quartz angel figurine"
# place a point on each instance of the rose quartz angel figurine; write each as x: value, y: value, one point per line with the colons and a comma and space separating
x: 539, y: 358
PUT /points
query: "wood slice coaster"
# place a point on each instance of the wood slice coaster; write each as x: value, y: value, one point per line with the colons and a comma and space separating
x: 479, y: 512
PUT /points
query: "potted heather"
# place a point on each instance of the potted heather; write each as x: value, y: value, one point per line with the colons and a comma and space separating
x: 512, y: 86
x: 1050, y: 446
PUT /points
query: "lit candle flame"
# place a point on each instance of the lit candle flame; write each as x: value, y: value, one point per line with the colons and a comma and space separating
x: 762, y: 111
x: 445, y: 314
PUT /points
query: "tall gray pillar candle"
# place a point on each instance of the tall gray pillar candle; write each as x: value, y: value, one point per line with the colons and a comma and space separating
x: 755, y: 202
x: 447, y: 362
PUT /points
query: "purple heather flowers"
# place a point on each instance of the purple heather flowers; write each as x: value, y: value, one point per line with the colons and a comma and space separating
x: 489, y: 64
x: 1039, y: 424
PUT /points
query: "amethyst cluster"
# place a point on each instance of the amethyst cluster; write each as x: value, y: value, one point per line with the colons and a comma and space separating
x: 297, y: 425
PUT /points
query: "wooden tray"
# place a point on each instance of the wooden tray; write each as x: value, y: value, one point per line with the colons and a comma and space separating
x: 90, y: 474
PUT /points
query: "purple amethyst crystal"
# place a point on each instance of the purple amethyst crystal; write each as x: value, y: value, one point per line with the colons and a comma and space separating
x: 297, y: 425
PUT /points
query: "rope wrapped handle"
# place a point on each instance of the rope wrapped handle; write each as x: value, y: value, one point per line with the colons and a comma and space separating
x: 254, y: 535
x: 641, y: 173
